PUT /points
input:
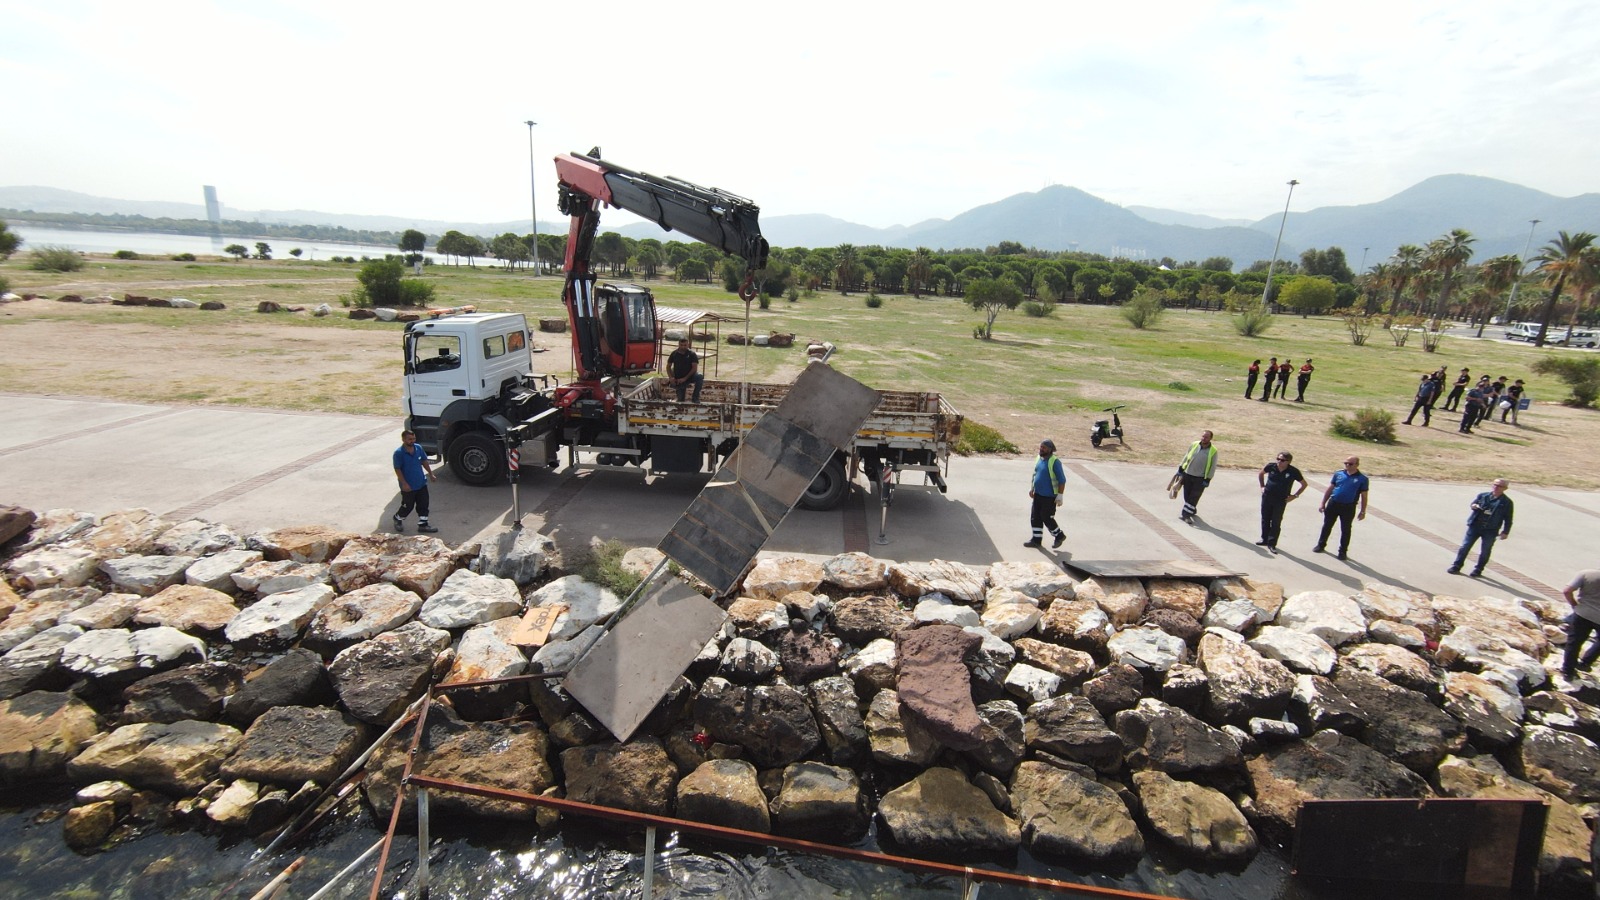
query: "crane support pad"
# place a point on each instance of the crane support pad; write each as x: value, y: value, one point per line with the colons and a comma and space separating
x: 634, y: 665
x: 722, y: 530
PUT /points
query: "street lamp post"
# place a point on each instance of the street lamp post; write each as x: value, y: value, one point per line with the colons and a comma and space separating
x: 1267, y: 291
x: 533, y: 206
x: 1512, y: 297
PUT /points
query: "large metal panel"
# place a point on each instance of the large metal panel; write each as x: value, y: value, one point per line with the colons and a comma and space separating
x: 632, y: 666
x: 1148, y: 568
x: 723, y: 529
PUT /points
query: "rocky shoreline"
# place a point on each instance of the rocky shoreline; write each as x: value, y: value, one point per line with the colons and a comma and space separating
x: 183, y: 673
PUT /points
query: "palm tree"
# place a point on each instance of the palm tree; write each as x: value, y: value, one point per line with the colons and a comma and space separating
x: 1407, y: 262
x: 1559, y: 260
x: 920, y: 270
x: 1445, y: 256
x: 845, y: 266
x: 1583, y: 281
x: 1372, y: 281
x: 1497, y: 275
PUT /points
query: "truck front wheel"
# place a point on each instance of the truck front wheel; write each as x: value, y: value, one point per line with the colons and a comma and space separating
x: 477, y: 458
x: 828, y: 488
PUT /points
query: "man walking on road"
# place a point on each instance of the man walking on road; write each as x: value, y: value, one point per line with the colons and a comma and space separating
x: 1347, y: 489
x: 1049, y: 479
x: 1584, y: 594
x: 413, y: 472
x: 1277, y: 478
x: 1198, y: 465
x: 1490, y: 520
x: 1427, y: 389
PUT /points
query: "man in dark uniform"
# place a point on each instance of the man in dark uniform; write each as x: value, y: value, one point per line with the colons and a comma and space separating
x: 1454, y: 400
x: 1272, y: 372
x: 1303, y: 381
x: 1277, y: 478
x: 1427, y: 390
x: 1251, y: 376
x: 1471, y: 409
x: 1283, y: 378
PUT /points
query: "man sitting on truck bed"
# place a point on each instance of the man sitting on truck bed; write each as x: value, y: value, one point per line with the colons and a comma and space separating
x: 683, y: 369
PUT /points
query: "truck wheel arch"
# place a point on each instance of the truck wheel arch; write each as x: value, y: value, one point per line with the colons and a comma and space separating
x: 476, y: 457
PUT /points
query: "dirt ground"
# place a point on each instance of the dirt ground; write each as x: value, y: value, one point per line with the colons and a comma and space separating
x: 292, y: 361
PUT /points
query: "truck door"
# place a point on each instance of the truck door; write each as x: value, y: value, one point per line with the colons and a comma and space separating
x: 435, y: 376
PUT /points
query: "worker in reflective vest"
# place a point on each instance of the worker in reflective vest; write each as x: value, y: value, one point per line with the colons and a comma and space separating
x: 1049, y: 479
x: 1198, y: 465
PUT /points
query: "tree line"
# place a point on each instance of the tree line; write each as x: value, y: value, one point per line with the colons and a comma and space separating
x: 166, y: 225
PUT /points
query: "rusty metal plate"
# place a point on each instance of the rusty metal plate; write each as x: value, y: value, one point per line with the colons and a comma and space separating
x: 632, y: 666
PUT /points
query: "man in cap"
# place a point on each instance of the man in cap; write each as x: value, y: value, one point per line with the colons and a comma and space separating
x: 1049, y: 479
x: 1198, y: 465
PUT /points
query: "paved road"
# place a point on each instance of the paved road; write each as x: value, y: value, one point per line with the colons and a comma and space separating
x: 257, y: 469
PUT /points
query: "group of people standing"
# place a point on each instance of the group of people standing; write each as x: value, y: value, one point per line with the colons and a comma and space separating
x: 1277, y: 379
x: 1477, y: 402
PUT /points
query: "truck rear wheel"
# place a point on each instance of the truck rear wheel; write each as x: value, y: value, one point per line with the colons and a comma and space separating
x: 828, y: 488
x: 477, y: 458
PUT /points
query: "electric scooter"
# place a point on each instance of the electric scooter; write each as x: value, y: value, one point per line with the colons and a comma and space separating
x: 1108, y: 428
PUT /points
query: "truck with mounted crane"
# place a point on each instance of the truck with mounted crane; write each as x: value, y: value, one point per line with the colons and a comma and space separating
x: 471, y: 398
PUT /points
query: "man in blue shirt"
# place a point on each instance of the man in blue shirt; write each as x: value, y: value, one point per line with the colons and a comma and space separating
x: 1345, y: 491
x: 413, y: 472
x: 1489, y: 521
x: 1049, y: 479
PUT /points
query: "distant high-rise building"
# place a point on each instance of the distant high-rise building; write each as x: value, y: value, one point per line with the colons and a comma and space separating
x: 213, y: 209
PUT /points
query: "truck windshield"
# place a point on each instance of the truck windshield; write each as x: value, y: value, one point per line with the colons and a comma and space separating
x: 436, y: 353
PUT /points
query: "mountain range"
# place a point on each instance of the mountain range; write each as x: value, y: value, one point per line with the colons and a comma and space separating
x: 1496, y: 212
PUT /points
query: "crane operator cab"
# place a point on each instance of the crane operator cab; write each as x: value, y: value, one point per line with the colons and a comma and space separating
x: 628, y: 327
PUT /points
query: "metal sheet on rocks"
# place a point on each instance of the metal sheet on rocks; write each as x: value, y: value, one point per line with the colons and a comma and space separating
x: 727, y: 524
x: 634, y: 665
x: 1148, y: 568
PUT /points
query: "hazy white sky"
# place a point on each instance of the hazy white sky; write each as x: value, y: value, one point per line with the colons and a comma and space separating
x: 880, y: 113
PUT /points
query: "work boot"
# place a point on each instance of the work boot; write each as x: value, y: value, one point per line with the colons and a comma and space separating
x: 1454, y: 570
x: 425, y: 528
x: 1060, y: 539
x: 1036, y: 542
x: 399, y: 525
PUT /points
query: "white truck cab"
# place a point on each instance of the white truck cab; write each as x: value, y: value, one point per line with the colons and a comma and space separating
x: 458, y: 369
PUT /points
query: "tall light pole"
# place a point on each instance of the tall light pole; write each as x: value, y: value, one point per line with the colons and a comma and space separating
x: 533, y: 206
x: 1267, y: 291
x: 1512, y: 297
x: 1363, y: 260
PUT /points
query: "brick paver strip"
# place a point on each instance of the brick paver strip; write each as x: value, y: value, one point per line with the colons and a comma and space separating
x: 92, y: 429
x: 1528, y: 582
x: 190, y: 510
x: 1559, y: 502
x: 1146, y: 518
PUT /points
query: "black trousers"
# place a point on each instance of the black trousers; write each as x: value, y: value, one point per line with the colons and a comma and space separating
x: 1345, y: 515
x: 1250, y: 384
x: 1272, y: 517
x: 1426, y: 410
x: 417, y: 499
x: 1300, y: 387
x: 1578, y: 631
x: 1193, y: 487
x: 1454, y: 400
x: 1043, y: 515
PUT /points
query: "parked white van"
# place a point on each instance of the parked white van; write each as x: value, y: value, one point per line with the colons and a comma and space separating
x: 1580, y: 337
x: 1523, y: 331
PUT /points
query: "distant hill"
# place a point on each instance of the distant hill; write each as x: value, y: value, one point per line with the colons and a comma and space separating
x: 1055, y: 218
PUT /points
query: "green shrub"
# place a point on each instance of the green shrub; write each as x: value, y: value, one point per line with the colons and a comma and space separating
x: 50, y: 258
x: 873, y: 301
x: 1143, y: 311
x: 792, y: 294
x: 976, y: 438
x: 5, y: 286
x: 124, y: 254
x: 1178, y: 386
x: 183, y: 257
x: 384, y: 283
x: 1036, y: 310
x: 765, y: 301
x: 415, y: 293
x: 1581, y: 373
x: 603, y: 566
x: 1253, y: 322
x: 1368, y: 424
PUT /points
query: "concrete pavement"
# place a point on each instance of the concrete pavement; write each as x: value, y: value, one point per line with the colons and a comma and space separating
x: 258, y: 469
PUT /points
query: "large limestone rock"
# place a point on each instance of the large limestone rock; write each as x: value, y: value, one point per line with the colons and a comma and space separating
x: 775, y: 577
x: 66, y: 565
x: 377, y: 679
x: 938, y: 609
x: 296, y: 678
x: 118, y: 656
x: 1184, y: 596
x: 187, y: 607
x: 1147, y: 647
x: 587, y: 604
x: 897, y: 739
x: 270, y: 576
x: 1301, y: 651
x: 1063, y: 814
x: 1506, y: 619
x: 145, y: 575
x: 755, y: 616
x: 838, y: 715
x: 1122, y: 599
x: 939, y: 813
x: 961, y: 583
x: 636, y: 775
x: 747, y: 662
x: 1392, y: 663
x: 521, y: 555
x: 486, y: 652
x: 415, y: 563
x: 15, y: 520
x: 1116, y: 688
x: 56, y: 526
x: 1009, y: 614
x: 1326, y: 766
x: 772, y: 722
x: 855, y: 571
x: 86, y: 827
x: 1071, y: 728
x: 110, y: 611
x: 1041, y: 580
x: 509, y: 755
x: 278, y: 619
x: 1565, y: 859
x: 34, y: 664
x: 1162, y: 737
x: 724, y: 792
x: 1079, y: 624
x: 177, y: 757
x: 1317, y: 704
x: 296, y: 744
x: 1267, y: 596
x: 1031, y: 683
x: 1567, y: 765
x: 1005, y: 738
x: 126, y: 532
x: 873, y: 667
x: 39, y: 733
x: 302, y: 543
x: 933, y: 683
x: 1234, y: 615
x: 466, y: 599
x: 820, y: 802
x: 1387, y: 603
x: 861, y: 620
x: 1467, y: 647
x: 1074, y: 666
x: 217, y: 571
x: 191, y: 692
x: 1330, y: 615
x: 197, y: 537
x: 1200, y: 821
x: 1242, y: 683
x: 359, y: 615
x: 1402, y: 724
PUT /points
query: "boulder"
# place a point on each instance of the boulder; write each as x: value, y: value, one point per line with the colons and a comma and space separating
x: 1301, y: 651
x: 1234, y: 615
x: 145, y: 575
x: 302, y: 543
x: 66, y: 565
x: 896, y: 739
x: 175, y: 757
x: 86, y: 827
x: 377, y: 679
x: 1399, y: 634
x: 34, y: 664
x: 1183, y: 596
x: 1316, y: 704
x: 820, y: 802
x: 747, y: 662
x: 1041, y: 580
x: 938, y: 609
x: 485, y: 652
x: 296, y: 744
x: 1560, y: 711
x: 232, y: 808
x: 1565, y: 860
x: 1565, y: 764
x: 1009, y: 614
x: 1071, y: 728
x: 1326, y: 766
x: 197, y: 538
x: 216, y: 572
x: 1147, y: 647
x: 1200, y: 822
x: 1162, y: 737
x: 774, y: 577
x: 509, y: 755
x: 1330, y: 615
x: 1185, y: 687
x: 1398, y: 606
x: 1005, y: 738
x: 1242, y: 683
x: 270, y: 576
x: 110, y: 611
x: 724, y: 792
x: 39, y: 733
x: 1063, y: 814
x: 638, y: 561
x: 806, y: 655
x: 812, y: 608
x: 1392, y: 663
x: 873, y: 667
x: 359, y: 615
x: 838, y: 716
x: 416, y: 563
x: 466, y: 599
x: 860, y: 620
x: 1491, y: 655
x: 940, y: 814
x: 191, y: 692
x: 1481, y: 707
x: 126, y: 532
x: 855, y: 571
x: 57, y: 525
x: 1177, y: 623
x: 1079, y: 624
x: 587, y: 604
x: 1401, y: 724
x: 932, y: 682
x: 277, y: 619
x: 772, y: 722
x: 1506, y: 619
x: 1122, y: 599
x: 297, y: 678
x: 636, y: 775
x: 188, y: 608
x: 1031, y: 683
x: 1074, y: 666
x: 1266, y: 595
x: 1119, y: 687
x: 958, y: 581
x: 14, y: 520
x: 118, y: 656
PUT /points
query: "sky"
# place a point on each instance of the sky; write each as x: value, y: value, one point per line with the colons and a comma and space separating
x: 879, y: 113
